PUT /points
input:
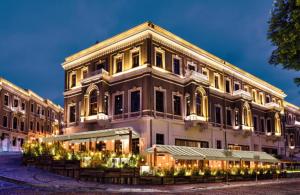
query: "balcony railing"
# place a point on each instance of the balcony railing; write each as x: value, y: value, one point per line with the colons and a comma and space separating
x: 273, y: 105
x: 242, y: 94
x: 196, y: 76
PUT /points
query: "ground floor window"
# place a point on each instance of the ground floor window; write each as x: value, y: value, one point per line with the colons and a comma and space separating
x: 118, y: 146
x: 160, y: 139
x: 135, y: 146
x: 100, y: 146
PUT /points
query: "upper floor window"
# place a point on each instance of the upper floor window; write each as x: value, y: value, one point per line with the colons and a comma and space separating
x: 160, y: 139
x: 23, y: 106
x: 72, y: 113
x: 15, y: 123
x: 105, y: 108
x: 4, y: 121
x: 228, y: 117
x: 73, y: 80
x: 118, y: 63
x: 135, y: 57
x: 101, y: 65
x: 84, y: 73
x: 6, y: 100
x: 227, y: 86
x: 217, y: 81
x: 236, y: 86
x: 218, y: 114
x: 32, y: 107
x: 268, y: 99
x: 159, y: 101
x: 118, y: 104
x: 205, y: 71
x: 187, y: 105
x: 176, y: 65
x: 16, y: 103
x: 159, y: 58
x: 254, y: 95
x: 261, y: 98
x: 93, y: 103
x: 177, y: 105
x: 246, y: 88
x: 135, y: 104
x: 255, y: 124
x: 191, y: 67
x: 38, y: 110
x: 199, y: 97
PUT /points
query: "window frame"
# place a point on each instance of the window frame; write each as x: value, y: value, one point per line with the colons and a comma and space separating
x: 69, y: 113
x: 132, y: 51
x: 114, y: 102
x: 115, y: 58
x: 173, y: 103
x: 159, y: 50
x: 176, y: 57
x: 230, y: 90
x: 130, y: 91
x: 164, y: 91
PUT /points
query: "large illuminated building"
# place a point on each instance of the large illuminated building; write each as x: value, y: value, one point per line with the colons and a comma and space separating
x: 25, y: 115
x: 170, y: 92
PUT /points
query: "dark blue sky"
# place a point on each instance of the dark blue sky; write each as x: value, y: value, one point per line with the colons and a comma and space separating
x: 36, y: 36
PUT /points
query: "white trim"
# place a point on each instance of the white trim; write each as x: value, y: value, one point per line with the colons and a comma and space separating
x: 118, y: 56
x: 158, y: 49
x: 236, y: 83
x: 221, y: 115
x: 68, y: 114
x: 180, y: 64
x: 165, y: 100
x: 113, y: 103
x: 230, y: 86
x: 191, y: 63
x: 134, y: 89
x: 135, y: 49
x: 219, y: 81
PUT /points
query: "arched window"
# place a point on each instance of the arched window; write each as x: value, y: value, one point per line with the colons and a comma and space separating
x: 199, y: 98
x: 247, y: 115
x: 277, y: 125
x: 93, y: 102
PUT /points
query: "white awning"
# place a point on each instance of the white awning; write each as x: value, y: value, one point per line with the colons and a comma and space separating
x: 194, y: 153
x: 105, y: 134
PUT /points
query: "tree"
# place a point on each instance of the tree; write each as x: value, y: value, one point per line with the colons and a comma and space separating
x: 284, y: 33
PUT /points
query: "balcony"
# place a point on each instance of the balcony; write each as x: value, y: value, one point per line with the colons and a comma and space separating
x: 242, y: 94
x: 94, y: 75
x: 18, y: 110
x: 197, y: 76
x: 195, y: 118
x: 273, y: 106
x: 94, y: 118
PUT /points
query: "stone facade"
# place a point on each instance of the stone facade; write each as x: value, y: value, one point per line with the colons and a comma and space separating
x: 171, y: 92
x: 24, y: 114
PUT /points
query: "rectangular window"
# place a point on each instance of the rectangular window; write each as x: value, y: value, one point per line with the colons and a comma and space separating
x: 255, y: 125
x: 73, y: 80
x: 6, y: 100
x: 16, y: 103
x: 217, y: 82
x: 135, y: 59
x: 105, y: 104
x: 188, y: 103
x: 135, y: 101
x: 100, y: 146
x: 218, y: 115
x: 236, y: 86
x: 32, y: 107
x: 38, y: 110
x: 159, y: 101
x: 84, y: 74
x: 31, y: 125
x: 176, y: 66
x: 191, y: 67
x: 236, y: 118
x: 228, y: 117
x: 267, y: 99
x: 269, y: 125
x: 219, y: 144
x: 37, y: 126
x: 262, y: 125
x: 227, y: 86
x: 23, y: 106
x: 101, y: 65
x: 118, y: 104
x: 72, y: 114
x: 159, y: 60
x: 118, y: 146
x: 177, y: 105
x: 15, y: 123
x: 4, y: 121
x: 160, y: 139
x: 22, y: 126
x: 119, y: 65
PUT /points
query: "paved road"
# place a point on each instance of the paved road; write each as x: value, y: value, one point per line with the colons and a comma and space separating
x: 18, y: 179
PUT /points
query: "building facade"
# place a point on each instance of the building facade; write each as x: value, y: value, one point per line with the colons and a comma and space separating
x: 25, y: 115
x: 171, y: 92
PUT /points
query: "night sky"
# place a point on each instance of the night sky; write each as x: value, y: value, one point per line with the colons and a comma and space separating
x: 36, y: 36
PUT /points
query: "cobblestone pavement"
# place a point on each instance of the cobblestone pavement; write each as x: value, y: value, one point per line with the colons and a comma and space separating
x: 18, y: 179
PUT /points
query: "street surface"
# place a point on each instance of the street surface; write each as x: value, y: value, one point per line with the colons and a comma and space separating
x: 18, y: 179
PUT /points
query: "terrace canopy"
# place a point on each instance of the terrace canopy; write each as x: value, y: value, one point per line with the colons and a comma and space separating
x: 194, y: 153
x: 98, y: 135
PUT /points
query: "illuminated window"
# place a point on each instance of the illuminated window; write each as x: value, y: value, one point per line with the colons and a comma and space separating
x: 199, y: 110
x: 177, y: 105
x: 118, y: 104
x: 73, y: 80
x: 217, y: 81
x: 254, y: 95
x: 135, y: 59
x: 135, y: 103
x: 119, y: 65
x: 159, y: 58
x: 93, y: 102
x: 159, y: 96
x: 6, y: 100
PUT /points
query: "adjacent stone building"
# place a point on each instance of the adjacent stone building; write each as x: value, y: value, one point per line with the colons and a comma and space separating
x: 25, y: 115
x: 172, y: 92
